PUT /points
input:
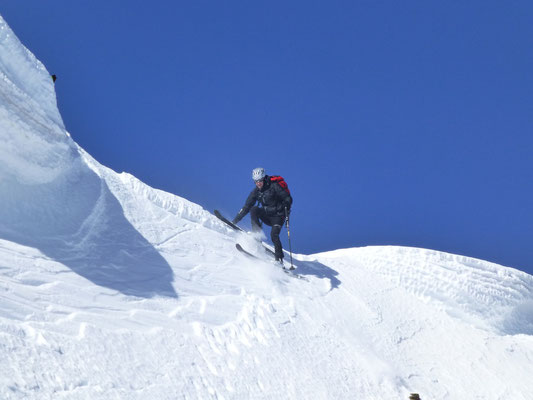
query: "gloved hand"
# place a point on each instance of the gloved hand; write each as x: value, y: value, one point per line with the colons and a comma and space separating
x: 240, y: 215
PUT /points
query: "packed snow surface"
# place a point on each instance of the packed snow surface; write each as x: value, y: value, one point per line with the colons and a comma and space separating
x: 110, y: 289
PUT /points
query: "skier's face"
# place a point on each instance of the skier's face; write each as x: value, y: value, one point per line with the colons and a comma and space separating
x: 259, y: 184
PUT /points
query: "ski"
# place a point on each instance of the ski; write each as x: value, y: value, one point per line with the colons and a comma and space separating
x: 245, y: 252
x: 288, y: 272
x: 238, y: 229
x: 227, y: 221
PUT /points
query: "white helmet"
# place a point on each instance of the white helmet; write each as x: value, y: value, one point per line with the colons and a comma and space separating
x: 258, y: 174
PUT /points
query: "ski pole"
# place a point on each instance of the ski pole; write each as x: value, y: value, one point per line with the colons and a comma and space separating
x: 288, y: 234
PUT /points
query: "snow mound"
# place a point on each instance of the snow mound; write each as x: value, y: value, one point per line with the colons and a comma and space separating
x: 480, y: 293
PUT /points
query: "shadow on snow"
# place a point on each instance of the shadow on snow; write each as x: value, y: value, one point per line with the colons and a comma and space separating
x: 316, y: 269
x: 82, y: 225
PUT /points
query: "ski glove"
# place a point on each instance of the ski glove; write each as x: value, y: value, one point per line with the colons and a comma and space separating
x: 238, y: 217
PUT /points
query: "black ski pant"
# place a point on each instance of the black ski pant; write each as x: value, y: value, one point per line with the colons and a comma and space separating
x: 276, y: 222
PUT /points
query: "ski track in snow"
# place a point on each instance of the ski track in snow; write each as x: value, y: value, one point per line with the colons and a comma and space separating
x: 110, y: 289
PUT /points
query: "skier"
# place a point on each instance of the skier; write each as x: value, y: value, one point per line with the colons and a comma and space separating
x: 276, y: 205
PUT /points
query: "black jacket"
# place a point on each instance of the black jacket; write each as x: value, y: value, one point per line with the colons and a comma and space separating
x: 272, y: 197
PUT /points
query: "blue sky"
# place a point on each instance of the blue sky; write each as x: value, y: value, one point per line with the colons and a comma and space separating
x: 394, y: 123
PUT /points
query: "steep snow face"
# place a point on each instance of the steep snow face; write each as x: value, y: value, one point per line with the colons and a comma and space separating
x: 110, y: 289
x: 35, y: 147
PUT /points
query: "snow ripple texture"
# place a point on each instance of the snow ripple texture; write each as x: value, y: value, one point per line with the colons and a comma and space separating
x: 110, y: 289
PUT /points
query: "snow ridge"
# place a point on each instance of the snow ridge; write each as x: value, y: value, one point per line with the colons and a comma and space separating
x: 480, y: 292
x: 28, y: 105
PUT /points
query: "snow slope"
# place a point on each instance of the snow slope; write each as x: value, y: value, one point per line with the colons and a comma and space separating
x: 110, y: 289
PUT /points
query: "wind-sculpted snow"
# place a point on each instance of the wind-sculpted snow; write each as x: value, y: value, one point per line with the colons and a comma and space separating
x: 35, y: 147
x: 476, y: 291
x: 110, y: 289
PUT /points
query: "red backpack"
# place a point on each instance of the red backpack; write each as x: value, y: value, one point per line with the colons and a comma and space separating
x: 280, y: 181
